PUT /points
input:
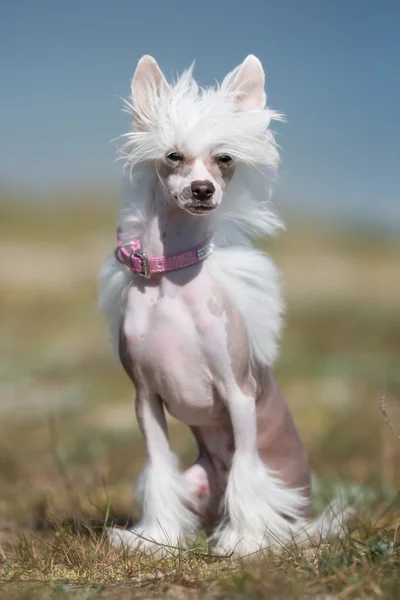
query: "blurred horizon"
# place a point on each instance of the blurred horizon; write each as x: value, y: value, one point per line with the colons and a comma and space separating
x: 330, y: 68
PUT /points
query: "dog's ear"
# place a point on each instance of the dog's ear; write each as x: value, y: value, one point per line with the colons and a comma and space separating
x: 247, y: 81
x: 147, y: 81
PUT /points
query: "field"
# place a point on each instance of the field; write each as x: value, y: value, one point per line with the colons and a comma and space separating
x: 70, y: 449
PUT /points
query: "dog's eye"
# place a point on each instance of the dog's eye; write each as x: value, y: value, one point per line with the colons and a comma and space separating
x: 225, y: 159
x: 174, y: 156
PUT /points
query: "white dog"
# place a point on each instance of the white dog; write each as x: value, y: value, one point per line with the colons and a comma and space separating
x: 195, y: 313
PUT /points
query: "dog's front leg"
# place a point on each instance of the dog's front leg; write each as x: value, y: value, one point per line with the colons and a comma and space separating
x: 166, y: 520
x: 256, y: 501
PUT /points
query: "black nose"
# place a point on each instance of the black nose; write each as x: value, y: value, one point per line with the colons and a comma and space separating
x: 202, y: 190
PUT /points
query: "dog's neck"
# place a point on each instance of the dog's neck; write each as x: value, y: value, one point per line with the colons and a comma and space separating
x: 170, y: 229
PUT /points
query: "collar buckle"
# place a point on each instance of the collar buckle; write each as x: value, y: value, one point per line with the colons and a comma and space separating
x: 146, y: 270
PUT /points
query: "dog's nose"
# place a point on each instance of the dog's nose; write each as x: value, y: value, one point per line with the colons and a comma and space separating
x: 202, y: 190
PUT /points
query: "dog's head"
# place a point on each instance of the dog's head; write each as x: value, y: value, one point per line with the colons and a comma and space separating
x: 196, y: 137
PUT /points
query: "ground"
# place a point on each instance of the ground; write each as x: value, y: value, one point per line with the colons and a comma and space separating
x: 69, y: 445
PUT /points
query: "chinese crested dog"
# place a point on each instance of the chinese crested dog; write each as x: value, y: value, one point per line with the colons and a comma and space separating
x: 195, y: 315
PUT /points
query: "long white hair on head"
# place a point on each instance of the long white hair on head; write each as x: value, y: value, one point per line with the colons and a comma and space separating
x: 230, y: 119
x: 200, y: 119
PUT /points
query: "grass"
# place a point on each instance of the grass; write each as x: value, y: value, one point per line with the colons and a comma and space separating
x: 70, y: 448
x: 365, y: 564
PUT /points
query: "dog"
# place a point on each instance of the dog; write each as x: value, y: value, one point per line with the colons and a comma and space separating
x: 195, y: 314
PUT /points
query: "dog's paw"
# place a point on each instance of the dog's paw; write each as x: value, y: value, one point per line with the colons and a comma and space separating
x: 229, y: 542
x: 153, y: 542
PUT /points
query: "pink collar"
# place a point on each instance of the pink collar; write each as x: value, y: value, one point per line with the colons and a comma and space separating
x: 132, y: 256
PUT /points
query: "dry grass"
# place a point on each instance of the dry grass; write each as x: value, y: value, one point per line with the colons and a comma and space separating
x: 70, y: 564
x: 70, y: 449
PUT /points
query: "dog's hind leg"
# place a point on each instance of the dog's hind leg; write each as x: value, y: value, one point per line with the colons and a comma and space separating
x: 167, y: 520
x: 202, y: 480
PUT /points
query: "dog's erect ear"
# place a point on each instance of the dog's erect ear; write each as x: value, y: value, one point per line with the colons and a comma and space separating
x: 147, y: 77
x: 247, y: 81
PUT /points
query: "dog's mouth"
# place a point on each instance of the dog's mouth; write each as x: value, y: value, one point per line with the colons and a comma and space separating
x: 199, y: 209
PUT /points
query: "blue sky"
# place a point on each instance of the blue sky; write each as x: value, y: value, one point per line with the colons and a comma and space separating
x: 332, y: 67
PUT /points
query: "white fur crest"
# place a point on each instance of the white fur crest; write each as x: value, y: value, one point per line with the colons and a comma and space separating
x: 198, y: 120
